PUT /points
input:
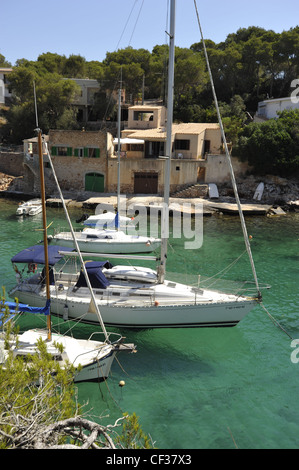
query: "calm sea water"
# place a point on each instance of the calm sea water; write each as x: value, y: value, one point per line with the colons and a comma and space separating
x: 202, y: 388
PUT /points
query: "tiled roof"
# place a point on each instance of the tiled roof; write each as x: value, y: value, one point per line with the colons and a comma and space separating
x: 160, y: 134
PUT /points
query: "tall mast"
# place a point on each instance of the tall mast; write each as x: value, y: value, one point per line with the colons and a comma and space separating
x: 118, y: 135
x: 93, y: 303
x: 167, y: 168
x: 43, y: 196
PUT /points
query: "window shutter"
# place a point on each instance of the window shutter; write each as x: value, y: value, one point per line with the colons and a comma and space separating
x: 76, y: 152
x: 97, y: 153
x: 69, y: 151
x: 85, y: 152
x: 54, y: 151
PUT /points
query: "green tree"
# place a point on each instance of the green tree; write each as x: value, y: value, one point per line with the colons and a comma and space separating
x: 190, y: 76
x: 132, y: 436
x: 272, y: 147
x: 74, y: 67
x: 51, y: 63
x: 4, y: 62
x: 54, y: 97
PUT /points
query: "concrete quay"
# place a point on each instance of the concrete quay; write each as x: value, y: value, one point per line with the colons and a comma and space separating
x: 185, y: 205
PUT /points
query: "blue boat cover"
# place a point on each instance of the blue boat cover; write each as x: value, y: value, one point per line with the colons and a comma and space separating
x: 95, y: 274
x: 7, y: 319
x: 35, y: 254
x: 17, y: 307
x: 116, y: 221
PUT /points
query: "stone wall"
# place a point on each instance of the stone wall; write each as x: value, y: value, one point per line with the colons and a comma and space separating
x: 217, y: 168
x: 11, y: 163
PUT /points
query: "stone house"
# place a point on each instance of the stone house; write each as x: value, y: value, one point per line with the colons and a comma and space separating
x: 88, y: 160
x: 197, y: 154
x: 79, y: 159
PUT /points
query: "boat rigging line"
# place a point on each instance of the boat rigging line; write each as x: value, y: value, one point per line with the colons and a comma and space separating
x: 246, y: 238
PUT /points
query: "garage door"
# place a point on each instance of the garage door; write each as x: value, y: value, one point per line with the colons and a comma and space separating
x: 146, y: 183
x: 94, y: 182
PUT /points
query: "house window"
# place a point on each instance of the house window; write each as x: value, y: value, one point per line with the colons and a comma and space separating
x: 207, y: 146
x: 92, y: 152
x: 62, y: 151
x: 136, y: 147
x: 181, y: 144
x: 154, y: 149
x: 79, y: 152
x: 143, y: 116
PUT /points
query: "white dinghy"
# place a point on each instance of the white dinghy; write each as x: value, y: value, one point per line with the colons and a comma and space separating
x: 31, y: 207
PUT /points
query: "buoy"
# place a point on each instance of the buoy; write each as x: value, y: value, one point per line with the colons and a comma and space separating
x: 122, y: 383
x: 156, y: 303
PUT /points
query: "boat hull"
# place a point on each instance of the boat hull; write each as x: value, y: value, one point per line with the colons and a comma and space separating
x: 145, y: 314
x: 94, y: 358
x: 109, y: 246
x: 32, y: 207
x: 97, y: 371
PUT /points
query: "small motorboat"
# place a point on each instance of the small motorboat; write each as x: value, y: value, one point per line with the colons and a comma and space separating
x: 31, y: 207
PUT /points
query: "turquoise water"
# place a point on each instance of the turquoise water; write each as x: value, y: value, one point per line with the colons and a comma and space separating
x: 202, y: 388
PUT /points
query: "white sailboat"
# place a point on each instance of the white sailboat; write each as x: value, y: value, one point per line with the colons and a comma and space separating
x: 106, y: 220
x: 95, y: 358
x: 138, y: 297
x: 94, y: 240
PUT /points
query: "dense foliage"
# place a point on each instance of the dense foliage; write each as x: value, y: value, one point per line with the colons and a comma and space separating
x: 251, y: 65
x: 272, y: 146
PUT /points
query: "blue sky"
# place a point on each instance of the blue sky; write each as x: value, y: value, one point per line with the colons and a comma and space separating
x: 94, y: 27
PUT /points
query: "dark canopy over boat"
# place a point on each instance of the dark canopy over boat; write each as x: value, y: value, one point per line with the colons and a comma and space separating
x: 95, y: 274
x: 35, y: 254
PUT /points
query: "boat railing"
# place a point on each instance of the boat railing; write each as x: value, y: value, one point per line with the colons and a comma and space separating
x: 238, y: 289
x: 105, y: 343
x: 110, y: 334
x: 59, y: 229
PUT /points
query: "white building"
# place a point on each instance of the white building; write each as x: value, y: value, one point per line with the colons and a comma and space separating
x: 268, y: 109
x: 84, y: 101
x: 4, y: 89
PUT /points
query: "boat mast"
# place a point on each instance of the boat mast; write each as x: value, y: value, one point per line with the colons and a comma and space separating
x: 43, y: 196
x: 93, y: 303
x: 167, y: 169
x: 118, y: 136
